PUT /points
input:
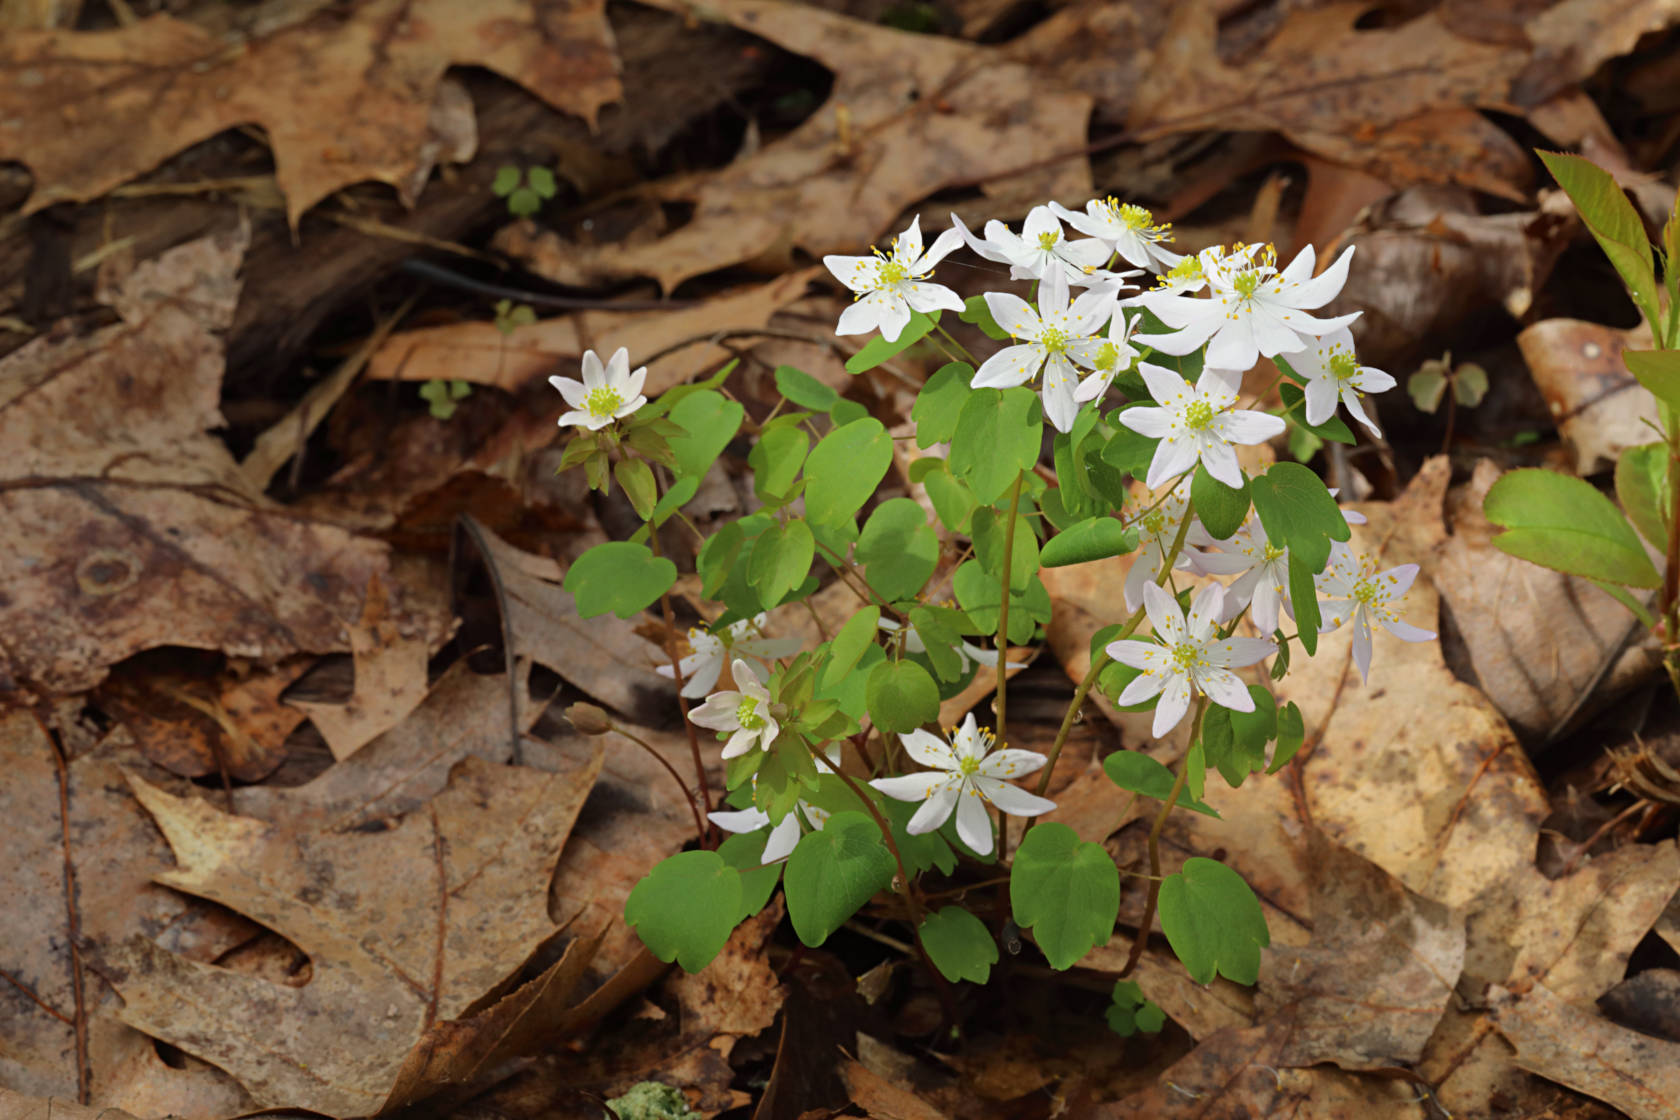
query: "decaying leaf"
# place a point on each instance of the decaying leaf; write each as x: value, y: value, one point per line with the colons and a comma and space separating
x: 1541, y: 642
x: 908, y: 116
x: 403, y: 928
x: 195, y: 728
x: 83, y: 108
x: 1597, y: 405
x: 131, y: 527
x: 1634, y: 1072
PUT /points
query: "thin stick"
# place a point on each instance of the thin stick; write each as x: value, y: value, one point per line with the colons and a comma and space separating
x: 1154, y: 895
x: 682, y: 702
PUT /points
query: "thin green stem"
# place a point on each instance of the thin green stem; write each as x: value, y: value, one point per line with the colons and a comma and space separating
x: 961, y: 349
x: 1154, y: 896
x: 682, y: 703
x: 1001, y: 705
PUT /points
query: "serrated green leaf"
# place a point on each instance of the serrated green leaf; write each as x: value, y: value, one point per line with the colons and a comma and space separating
x: 902, y: 696
x: 832, y: 873
x: 940, y: 403
x: 879, y: 350
x: 804, y: 390
x: 1613, y: 222
x: 620, y: 577
x: 686, y: 908
x: 844, y: 469
x: 1095, y: 539
x: 1138, y: 773
x: 997, y: 437
x: 1298, y: 513
x: 1565, y: 524
x: 898, y: 548
x: 1213, y: 922
x: 1222, y: 509
x: 1066, y: 890
x: 959, y: 945
x: 1658, y: 371
x: 1642, y: 488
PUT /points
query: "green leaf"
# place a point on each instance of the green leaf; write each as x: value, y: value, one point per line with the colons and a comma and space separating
x: 1470, y: 384
x: 997, y: 437
x: 1426, y: 387
x: 1138, y: 773
x: 1298, y: 513
x: 508, y: 177
x: 1291, y: 733
x: 1658, y: 371
x: 618, y: 576
x: 1129, y: 451
x: 1213, y: 922
x: 846, y: 411
x: 523, y: 202
x: 745, y: 853
x: 709, y: 421
x: 1235, y: 742
x: 1613, y: 222
x: 857, y: 635
x: 845, y: 468
x: 636, y: 477
x: 832, y: 873
x: 686, y: 908
x: 987, y: 528
x: 898, y: 548
x: 941, y: 639
x: 1095, y: 539
x: 542, y: 181
x: 959, y: 944
x: 1129, y: 1012
x: 804, y: 390
x: 940, y: 402
x: 1067, y: 890
x: 1642, y: 488
x: 976, y: 312
x: 1303, y: 596
x: 879, y: 350
x: 781, y: 558
x: 1222, y: 509
x: 776, y: 459
x: 902, y: 696
x: 674, y: 499
x: 978, y: 593
x: 1565, y: 524
x: 952, y: 500
x: 1335, y: 429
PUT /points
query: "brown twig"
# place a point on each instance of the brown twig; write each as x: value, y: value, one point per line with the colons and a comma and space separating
x: 442, y: 919
x: 72, y: 916
x: 480, y: 539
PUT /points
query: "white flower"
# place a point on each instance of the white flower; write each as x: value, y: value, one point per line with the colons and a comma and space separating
x: 1254, y: 309
x: 973, y: 774
x: 1190, y: 656
x: 1040, y: 245
x: 1185, y: 278
x: 966, y: 651
x: 890, y: 287
x: 707, y: 652
x: 1057, y: 334
x: 1113, y: 358
x: 1333, y: 373
x: 604, y: 395
x: 746, y: 713
x: 1157, y: 530
x: 1197, y: 424
x: 1353, y: 588
x: 1261, y: 568
x: 783, y: 838
x: 1127, y: 229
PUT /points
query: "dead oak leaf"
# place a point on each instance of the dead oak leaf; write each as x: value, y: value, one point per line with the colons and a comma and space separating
x: 403, y: 928
x: 344, y: 96
x: 1634, y: 1072
x: 909, y: 115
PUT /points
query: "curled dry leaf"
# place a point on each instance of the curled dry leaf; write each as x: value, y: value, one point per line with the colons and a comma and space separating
x: 234, y: 725
x: 131, y: 527
x: 479, y: 353
x: 1541, y: 643
x: 909, y: 115
x: 82, y: 107
x: 1635, y: 1073
x: 403, y: 928
x: 1597, y: 405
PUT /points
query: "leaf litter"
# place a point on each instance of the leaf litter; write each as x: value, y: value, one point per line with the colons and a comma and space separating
x: 420, y: 886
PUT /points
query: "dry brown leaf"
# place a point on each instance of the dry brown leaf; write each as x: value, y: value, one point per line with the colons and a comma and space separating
x: 1369, y: 989
x: 1540, y: 641
x: 1388, y: 99
x: 19, y: 1106
x: 403, y: 928
x: 479, y: 353
x: 883, y: 1100
x: 1598, y: 407
x: 1557, y: 1040
x: 909, y: 115
x: 1648, y: 1002
x: 236, y: 725
x: 390, y: 679
x: 82, y: 108
x: 738, y: 994
x: 131, y: 527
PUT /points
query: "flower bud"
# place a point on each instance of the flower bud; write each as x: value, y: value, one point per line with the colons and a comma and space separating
x: 589, y: 719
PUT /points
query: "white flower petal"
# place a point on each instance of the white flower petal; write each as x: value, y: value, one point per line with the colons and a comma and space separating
x: 1013, y: 365
x: 936, y: 810
x: 974, y: 824
x: 573, y: 391
x: 1170, y: 709
x: 928, y: 750
x: 1010, y: 799
x: 1226, y: 689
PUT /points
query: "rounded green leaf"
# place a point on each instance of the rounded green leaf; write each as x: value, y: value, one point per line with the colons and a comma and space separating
x: 879, y: 350
x: 686, y: 907
x: 776, y: 459
x: 620, y: 577
x: 845, y: 468
x: 1138, y: 773
x: 804, y: 390
x: 902, y: 696
x: 744, y: 851
x: 940, y: 402
x: 1066, y: 890
x: 980, y: 597
x: 1565, y: 524
x: 1213, y: 922
x: 1096, y: 538
x: 988, y: 528
x: 898, y: 548
x: 832, y: 873
x: 636, y: 477
x: 857, y: 635
x: 997, y: 437
x: 1222, y: 509
x: 780, y: 560
x: 709, y: 420
x: 1298, y: 513
x: 959, y: 944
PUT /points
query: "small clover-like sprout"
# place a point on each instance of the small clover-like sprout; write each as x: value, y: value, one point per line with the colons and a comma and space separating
x: 506, y: 181
x: 510, y: 316
x: 441, y: 395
